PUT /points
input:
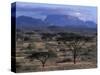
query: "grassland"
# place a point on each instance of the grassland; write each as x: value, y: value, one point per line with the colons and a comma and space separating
x: 36, y: 51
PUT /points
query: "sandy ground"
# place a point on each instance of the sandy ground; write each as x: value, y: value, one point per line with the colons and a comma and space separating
x: 59, y: 66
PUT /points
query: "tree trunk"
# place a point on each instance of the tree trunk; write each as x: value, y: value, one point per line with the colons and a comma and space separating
x: 43, y: 64
x: 74, y: 59
x: 74, y: 56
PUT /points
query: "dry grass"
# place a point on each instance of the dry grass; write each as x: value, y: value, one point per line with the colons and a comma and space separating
x: 59, y: 66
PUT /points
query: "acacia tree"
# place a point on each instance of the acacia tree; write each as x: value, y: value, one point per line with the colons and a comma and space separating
x: 42, y: 56
x: 74, y: 41
x: 75, y: 46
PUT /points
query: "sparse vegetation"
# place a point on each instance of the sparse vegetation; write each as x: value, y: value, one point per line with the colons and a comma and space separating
x: 42, y: 56
x: 55, y: 50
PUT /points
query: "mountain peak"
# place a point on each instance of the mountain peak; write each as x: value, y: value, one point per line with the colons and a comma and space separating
x: 55, y: 20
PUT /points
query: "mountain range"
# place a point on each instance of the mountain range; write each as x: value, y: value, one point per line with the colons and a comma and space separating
x: 53, y: 22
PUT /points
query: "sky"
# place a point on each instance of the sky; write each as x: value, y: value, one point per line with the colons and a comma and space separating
x: 41, y: 11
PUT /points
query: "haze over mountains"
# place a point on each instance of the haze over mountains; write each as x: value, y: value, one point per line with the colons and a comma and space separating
x: 54, y: 17
x: 55, y: 20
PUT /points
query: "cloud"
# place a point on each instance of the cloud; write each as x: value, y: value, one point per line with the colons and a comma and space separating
x: 83, y: 16
x: 42, y: 10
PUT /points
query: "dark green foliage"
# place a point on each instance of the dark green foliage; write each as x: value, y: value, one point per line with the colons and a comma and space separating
x: 72, y: 36
x: 47, y: 36
x: 29, y: 33
x: 26, y: 38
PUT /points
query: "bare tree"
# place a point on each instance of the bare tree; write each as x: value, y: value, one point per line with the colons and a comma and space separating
x: 75, y: 46
x: 75, y: 42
